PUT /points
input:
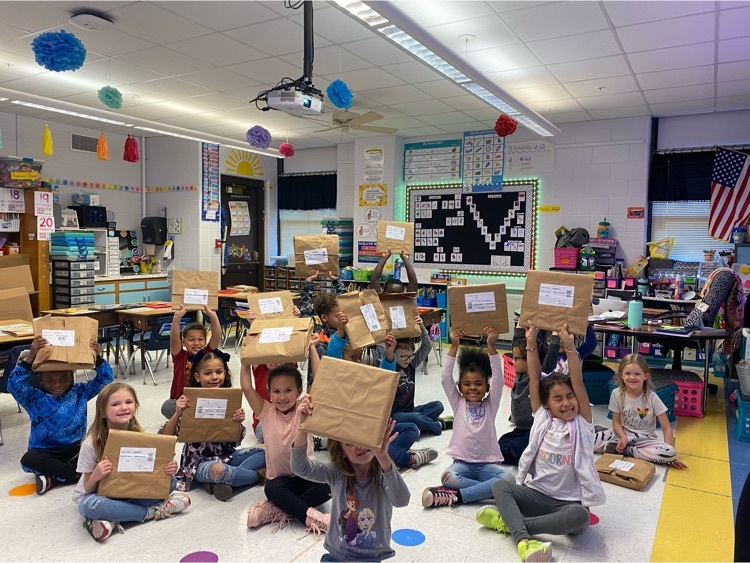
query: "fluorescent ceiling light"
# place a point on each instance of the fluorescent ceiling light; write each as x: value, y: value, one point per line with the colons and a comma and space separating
x: 490, y: 98
x: 73, y: 113
x: 162, y: 132
x: 362, y: 11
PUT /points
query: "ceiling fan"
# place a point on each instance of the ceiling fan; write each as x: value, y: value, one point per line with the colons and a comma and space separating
x: 346, y: 120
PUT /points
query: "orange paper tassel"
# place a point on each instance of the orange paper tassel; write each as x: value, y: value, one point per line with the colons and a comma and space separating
x: 47, y: 144
x: 102, y: 150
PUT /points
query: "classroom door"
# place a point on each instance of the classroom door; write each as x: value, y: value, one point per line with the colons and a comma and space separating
x: 242, y: 228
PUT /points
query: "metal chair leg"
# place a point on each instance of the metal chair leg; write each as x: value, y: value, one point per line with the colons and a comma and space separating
x: 151, y: 371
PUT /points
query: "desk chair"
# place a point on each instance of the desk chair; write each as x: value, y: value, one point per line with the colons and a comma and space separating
x: 435, y: 337
x: 228, y: 320
x: 155, y: 340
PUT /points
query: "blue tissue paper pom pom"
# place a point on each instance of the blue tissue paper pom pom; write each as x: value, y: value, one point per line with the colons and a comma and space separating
x: 258, y: 137
x: 58, y: 51
x: 339, y: 94
x: 110, y: 97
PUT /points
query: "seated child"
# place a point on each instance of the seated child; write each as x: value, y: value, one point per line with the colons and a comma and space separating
x: 57, y: 410
x: 635, y: 409
x: 556, y: 361
x: 475, y: 402
x: 183, y: 347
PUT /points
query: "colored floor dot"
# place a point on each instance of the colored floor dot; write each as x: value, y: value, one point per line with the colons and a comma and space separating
x: 594, y: 519
x: 200, y: 557
x: 408, y: 537
x: 23, y: 490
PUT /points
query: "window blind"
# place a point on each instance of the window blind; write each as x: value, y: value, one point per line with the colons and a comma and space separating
x: 296, y: 222
x: 687, y: 223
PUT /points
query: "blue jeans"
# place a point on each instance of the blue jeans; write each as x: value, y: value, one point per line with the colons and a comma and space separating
x: 399, y: 448
x: 474, y: 480
x: 424, y: 416
x: 117, y: 510
x: 238, y: 471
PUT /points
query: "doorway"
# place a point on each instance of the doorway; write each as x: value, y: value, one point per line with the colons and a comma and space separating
x: 243, y: 231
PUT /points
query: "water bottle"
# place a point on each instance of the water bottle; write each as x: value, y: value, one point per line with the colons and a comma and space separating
x: 635, y: 312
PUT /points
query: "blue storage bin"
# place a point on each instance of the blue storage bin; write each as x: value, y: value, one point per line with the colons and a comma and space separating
x: 429, y: 302
x: 596, y: 378
x: 442, y: 299
x: 420, y: 301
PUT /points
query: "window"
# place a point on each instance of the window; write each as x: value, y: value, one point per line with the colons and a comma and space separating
x: 297, y: 222
x: 687, y: 223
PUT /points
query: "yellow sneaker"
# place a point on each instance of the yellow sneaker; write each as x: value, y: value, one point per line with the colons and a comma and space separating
x: 490, y: 518
x: 534, y: 551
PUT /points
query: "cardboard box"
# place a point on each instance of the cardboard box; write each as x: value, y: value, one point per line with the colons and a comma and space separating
x: 316, y: 253
x: 635, y: 476
x: 473, y: 307
x: 395, y: 237
x: 276, y: 341
x: 139, y: 459
x: 271, y: 305
x: 352, y: 402
x: 16, y: 272
x: 367, y: 322
x: 70, y: 343
x: 551, y: 299
x: 400, y: 310
x: 194, y: 289
x: 15, y: 304
x: 208, y: 417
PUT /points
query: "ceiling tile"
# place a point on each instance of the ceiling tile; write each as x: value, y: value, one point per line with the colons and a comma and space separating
x: 734, y: 102
x: 555, y: 106
x: 683, y: 108
x: 467, y: 101
x: 220, y: 101
x: 590, y: 69
x: 330, y: 60
x: 441, y: 88
x: 163, y: 60
x: 466, y: 126
x: 680, y: 77
x: 420, y: 132
x: 173, y: 87
x: 425, y: 107
x: 34, y: 20
x: 262, y: 70
x: 119, y: 72
x: 230, y: 16
x: 634, y: 12
x: 193, y: 120
x: 734, y: 71
x: 502, y: 58
x: 368, y: 79
x: 217, y: 49
x: 610, y: 85
x: 41, y: 87
x: 734, y: 50
x: 540, y: 93
x: 488, y: 115
x: 614, y: 113
x: 675, y: 57
x: 658, y: 35
x: 575, y: 47
x: 412, y: 72
x: 555, y: 20
x: 489, y: 31
x: 611, y: 101
x: 501, y: 6
x: 112, y: 43
x: 218, y: 79
x: 160, y: 110
x: 666, y: 95
x: 150, y: 21
x: 571, y: 117
x: 378, y: 51
x: 428, y: 14
x: 528, y: 77
x: 441, y: 119
x: 277, y: 37
x: 734, y: 88
x: 734, y: 23
x: 336, y: 26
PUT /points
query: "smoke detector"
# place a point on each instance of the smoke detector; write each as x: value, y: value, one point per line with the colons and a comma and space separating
x: 92, y: 21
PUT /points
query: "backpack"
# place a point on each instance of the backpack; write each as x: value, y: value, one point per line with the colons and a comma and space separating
x: 575, y: 238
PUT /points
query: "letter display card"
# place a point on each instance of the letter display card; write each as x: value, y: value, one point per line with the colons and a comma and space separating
x: 208, y: 417
x: 472, y: 307
x: 551, y: 299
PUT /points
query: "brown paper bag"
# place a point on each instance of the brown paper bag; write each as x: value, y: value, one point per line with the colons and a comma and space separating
x: 551, y: 299
x: 400, y: 310
x: 316, y: 253
x: 635, y: 477
x: 208, y: 417
x: 139, y: 459
x: 271, y: 305
x: 70, y: 343
x: 352, y: 402
x: 277, y: 341
x: 395, y: 237
x: 195, y: 289
x: 361, y: 330
x: 15, y: 304
x: 473, y: 307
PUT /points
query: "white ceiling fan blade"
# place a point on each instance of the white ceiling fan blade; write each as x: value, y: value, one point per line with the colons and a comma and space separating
x: 365, y: 118
x: 382, y: 130
x: 326, y: 129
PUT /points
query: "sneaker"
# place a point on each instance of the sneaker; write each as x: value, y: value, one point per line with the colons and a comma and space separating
x: 420, y: 457
x: 320, y: 443
x: 490, y: 518
x: 439, y: 496
x: 100, y: 530
x: 446, y: 422
x: 43, y: 484
x: 534, y: 550
x: 221, y: 491
x: 317, y: 522
x: 177, y: 502
x: 265, y: 512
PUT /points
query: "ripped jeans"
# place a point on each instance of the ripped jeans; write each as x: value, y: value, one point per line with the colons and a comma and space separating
x: 238, y: 471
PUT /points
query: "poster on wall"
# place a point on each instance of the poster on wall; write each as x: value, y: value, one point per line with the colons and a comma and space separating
x: 432, y: 161
x: 11, y: 201
x: 483, y: 155
x: 43, y: 204
x: 45, y: 226
x: 209, y: 182
x: 367, y: 251
x: 373, y: 195
x: 529, y: 157
x: 374, y: 164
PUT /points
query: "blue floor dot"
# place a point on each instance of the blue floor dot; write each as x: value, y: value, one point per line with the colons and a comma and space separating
x: 408, y: 537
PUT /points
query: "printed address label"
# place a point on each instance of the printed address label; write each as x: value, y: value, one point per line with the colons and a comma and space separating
x: 59, y: 337
x: 371, y: 317
x: 397, y: 233
x: 398, y: 319
x: 270, y: 305
x: 210, y: 408
x: 316, y: 256
x: 479, y: 302
x: 196, y: 296
x: 139, y: 460
x: 556, y: 295
x: 280, y: 334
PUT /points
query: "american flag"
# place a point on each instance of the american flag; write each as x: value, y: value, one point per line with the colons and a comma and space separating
x: 730, y: 193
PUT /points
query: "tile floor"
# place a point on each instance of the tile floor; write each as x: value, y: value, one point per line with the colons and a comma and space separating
x: 49, y: 527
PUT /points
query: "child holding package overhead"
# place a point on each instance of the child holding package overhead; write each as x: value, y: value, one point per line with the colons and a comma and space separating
x: 365, y: 486
x: 559, y: 462
x: 57, y: 410
x: 473, y: 445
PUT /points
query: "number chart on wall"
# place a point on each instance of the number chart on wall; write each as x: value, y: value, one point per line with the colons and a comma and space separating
x: 474, y: 233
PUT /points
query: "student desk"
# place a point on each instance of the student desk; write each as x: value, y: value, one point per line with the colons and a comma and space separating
x: 105, y: 317
x: 7, y: 340
x: 140, y: 318
x: 647, y: 334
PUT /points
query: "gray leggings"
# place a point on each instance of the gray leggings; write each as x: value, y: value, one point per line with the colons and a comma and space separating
x: 528, y: 512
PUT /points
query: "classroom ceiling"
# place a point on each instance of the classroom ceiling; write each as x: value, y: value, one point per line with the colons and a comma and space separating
x: 195, y: 64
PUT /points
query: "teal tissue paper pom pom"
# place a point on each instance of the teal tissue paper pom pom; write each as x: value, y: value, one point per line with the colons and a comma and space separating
x: 110, y: 97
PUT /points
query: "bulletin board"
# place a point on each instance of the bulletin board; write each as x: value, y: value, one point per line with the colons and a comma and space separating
x: 474, y: 233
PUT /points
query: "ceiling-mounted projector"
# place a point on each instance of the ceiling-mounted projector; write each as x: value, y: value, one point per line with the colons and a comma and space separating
x: 295, y: 102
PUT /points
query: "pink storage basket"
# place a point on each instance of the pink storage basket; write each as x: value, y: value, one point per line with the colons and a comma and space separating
x: 509, y: 370
x: 688, y: 399
x: 566, y: 258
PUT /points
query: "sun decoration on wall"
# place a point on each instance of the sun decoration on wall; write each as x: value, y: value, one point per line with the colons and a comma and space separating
x: 243, y: 163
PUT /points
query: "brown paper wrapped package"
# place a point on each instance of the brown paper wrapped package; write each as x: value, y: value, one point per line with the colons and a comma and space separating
x: 137, y: 484
x: 357, y: 331
x: 572, y: 294
x: 196, y: 280
x: 352, y: 402
x: 395, y: 237
x: 472, y: 309
x: 408, y: 303
x: 637, y: 477
x: 266, y: 305
x: 307, y: 243
x: 202, y: 429
x: 15, y: 304
x: 63, y: 358
x: 260, y: 347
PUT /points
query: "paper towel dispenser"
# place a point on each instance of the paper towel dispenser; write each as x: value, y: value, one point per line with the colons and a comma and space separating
x: 154, y: 230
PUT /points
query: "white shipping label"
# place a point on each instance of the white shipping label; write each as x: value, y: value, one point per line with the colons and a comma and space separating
x: 398, y: 319
x: 59, y: 337
x: 281, y: 334
x: 398, y: 233
x: 270, y: 305
x: 479, y: 302
x: 196, y: 296
x: 622, y: 465
x: 211, y: 408
x: 316, y: 256
x: 371, y: 317
x: 136, y: 459
x: 556, y: 295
